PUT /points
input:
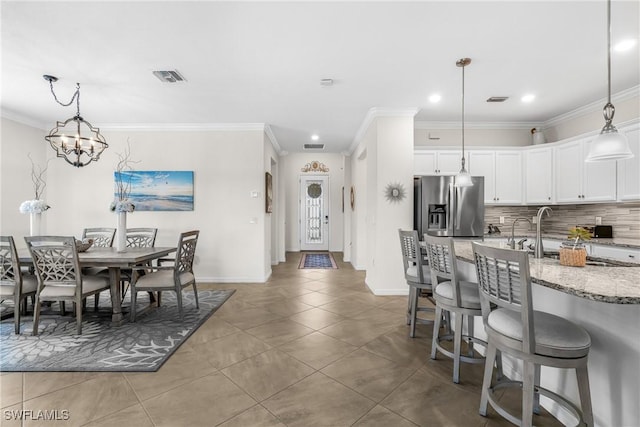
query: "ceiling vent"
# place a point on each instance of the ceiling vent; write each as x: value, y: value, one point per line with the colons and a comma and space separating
x: 172, y: 76
x: 314, y: 146
x: 497, y: 99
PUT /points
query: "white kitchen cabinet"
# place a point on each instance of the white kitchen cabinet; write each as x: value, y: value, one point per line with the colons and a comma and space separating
x: 629, y: 170
x: 578, y: 181
x: 539, y: 176
x: 436, y: 162
x: 502, y: 171
x: 616, y: 252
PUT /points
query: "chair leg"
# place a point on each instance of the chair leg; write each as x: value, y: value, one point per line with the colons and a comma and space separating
x: 447, y: 319
x: 195, y: 293
x: 585, y: 395
x: 409, y: 304
x: 79, y: 306
x: 36, y: 316
x: 486, y: 380
x: 16, y: 314
x: 414, y: 313
x: 62, y: 307
x: 96, y: 301
x: 436, y: 331
x: 528, y: 387
x: 499, y: 373
x: 159, y: 298
x: 470, y: 334
x: 536, y: 394
x: 457, y: 343
x: 134, y: 296
x: 179, y: 300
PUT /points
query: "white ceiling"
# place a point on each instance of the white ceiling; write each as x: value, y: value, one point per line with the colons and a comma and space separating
x: 262, y: 62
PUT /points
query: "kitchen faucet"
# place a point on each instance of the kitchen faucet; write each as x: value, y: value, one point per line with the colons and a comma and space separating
x: 538, y: 251
x: 512, y: 241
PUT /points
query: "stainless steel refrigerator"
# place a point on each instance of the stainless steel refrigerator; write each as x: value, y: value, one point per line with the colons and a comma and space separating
x: 441, y: 209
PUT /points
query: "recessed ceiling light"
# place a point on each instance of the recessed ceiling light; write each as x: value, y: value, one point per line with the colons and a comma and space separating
x: 528, y: 98
x: 435, y: 98
x: 315, y: 137
x: 624, y: 45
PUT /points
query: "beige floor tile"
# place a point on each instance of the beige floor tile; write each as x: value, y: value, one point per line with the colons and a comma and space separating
x: 267, y: 373
x: 206, y: 401
x: 256, y: 416
x: 287, y: 307
x: 180, y: 369
x: 511, y: 399
x: 39, y: 383
x: 382, y: 417
x: 315, y: 298
x: 427, y: 400
x: 132, y: 416
x: 279, y: 332
x: 346, y: 307
x: 86, y: 401
x: 249, y: 317
x: 231, y: 349
x: 318, y: 401
x: 356, y: 332
x: 317, y: 350
x: 316, y: 318
x: 212, y: 329
x: 10, y: 389
x: 11, y: 416
x: 400, y: 348
x: 370, y: 375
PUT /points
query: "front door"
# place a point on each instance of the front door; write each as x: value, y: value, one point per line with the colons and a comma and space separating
x: 314, y: 213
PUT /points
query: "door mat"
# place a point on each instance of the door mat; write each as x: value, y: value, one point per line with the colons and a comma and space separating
x: 317, y: 260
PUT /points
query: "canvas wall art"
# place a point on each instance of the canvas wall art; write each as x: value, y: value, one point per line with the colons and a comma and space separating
x: 159, y: 190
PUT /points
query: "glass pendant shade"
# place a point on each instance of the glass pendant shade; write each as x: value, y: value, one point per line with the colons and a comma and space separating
x: 463, y: 179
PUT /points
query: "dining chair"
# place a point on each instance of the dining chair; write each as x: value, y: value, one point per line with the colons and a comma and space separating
x: 60, y: 277
x: 102, y: 237
x: 417, y: 275
x: 458, y: 297
x: 173, y: 278
x: 535, y: 337
x: 15, y: 285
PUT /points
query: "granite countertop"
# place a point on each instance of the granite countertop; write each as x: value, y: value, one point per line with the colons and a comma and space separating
x: 617, y: 285
x: 616, y: 241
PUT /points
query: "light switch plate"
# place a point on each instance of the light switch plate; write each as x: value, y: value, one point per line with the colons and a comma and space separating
x: 501, y: 220
x: 598, y: 220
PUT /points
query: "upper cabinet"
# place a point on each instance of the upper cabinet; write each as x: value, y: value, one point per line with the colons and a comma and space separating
x: 629, y: 170
x: 539, y: 176
x: 502, y: 171
x: 578, y: 181
x: 436, y: 162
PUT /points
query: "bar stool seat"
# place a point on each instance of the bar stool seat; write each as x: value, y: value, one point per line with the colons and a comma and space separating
x: 469, y: 296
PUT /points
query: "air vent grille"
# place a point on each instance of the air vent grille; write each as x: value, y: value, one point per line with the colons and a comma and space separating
x: 314, y: 146
x: 171, y: 76
x: 497, y: 99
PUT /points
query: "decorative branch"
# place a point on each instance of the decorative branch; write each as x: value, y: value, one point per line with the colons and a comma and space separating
x: 123, y: 184
x: 37, y: 177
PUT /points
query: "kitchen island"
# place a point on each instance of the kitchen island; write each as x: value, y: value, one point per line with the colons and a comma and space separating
x: 606, y: 302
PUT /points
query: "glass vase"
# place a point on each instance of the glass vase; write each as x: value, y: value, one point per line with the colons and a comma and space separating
x: 121, y: 232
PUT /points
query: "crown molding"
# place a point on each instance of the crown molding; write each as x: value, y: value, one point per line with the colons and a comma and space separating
x: 593, y: 107
x: 182, y: 127
x: 19, y: 118
x: 375, y: 113
x: 272, y: 138
x: 425, y: 125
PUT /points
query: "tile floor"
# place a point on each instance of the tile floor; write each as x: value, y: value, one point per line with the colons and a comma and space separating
x: 308, y: 348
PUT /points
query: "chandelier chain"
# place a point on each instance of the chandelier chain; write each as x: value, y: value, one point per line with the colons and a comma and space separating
x: 75, y: 97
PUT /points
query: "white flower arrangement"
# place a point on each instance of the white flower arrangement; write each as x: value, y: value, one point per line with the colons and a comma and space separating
x: 33, y: 206
x: 37, y: 177
x: 123, y: 186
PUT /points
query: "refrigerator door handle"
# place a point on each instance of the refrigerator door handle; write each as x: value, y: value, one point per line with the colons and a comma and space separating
x: 453, y: 207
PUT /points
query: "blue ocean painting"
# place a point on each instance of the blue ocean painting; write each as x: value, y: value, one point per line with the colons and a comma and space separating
x: 159, y: 190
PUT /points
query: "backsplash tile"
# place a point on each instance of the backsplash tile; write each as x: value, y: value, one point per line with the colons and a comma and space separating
x: 623, y: 217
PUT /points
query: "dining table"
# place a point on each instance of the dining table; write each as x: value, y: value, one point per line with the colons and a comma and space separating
x: 114, y: 261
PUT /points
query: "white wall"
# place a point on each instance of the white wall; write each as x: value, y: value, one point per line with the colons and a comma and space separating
x: 16, y: 141
x: 359, y: 212
x: 291, y: 172
x: 228, y: 166
x: 347, y: 217
x: 472, y: 137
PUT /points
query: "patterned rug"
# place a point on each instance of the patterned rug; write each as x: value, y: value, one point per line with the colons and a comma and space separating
x: 317, y: 260
x: 142, y: 346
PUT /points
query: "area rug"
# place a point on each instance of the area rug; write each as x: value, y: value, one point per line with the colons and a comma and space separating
x: 317, y: 260
x: 142, y: 346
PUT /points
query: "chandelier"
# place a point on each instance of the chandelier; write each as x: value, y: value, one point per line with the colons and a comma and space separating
x: 75, y: 140
x: 609, y: 144
x: 463, y: 179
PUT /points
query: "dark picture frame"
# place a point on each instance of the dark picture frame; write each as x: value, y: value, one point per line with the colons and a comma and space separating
x: 268, y: 192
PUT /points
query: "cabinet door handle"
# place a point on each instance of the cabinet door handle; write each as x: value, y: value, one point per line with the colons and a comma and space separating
x: 549, y: 198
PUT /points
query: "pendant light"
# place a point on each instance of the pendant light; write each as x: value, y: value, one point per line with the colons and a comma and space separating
x: 610, y: 144
x: 75, y: 140
x: 463, y: 179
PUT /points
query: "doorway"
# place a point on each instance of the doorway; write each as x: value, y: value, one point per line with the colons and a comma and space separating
x: 314, y: 213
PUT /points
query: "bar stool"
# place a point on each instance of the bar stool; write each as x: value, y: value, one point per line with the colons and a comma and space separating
x: 535, y: 337
x: 453, y: 296
x: 416, y: 273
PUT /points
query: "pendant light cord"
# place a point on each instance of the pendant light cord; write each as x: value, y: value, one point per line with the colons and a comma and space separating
x: 76, y: 97
x: 463, y: 66
x: 609, y: 110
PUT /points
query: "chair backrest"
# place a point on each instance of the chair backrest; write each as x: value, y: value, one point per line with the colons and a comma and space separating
x: 141, y: 237
x: 504, y: 281
x: 443, y: 264
x: 10, y: 274
x: 412, y: 259
x: 102, y: 237
x: 55, y: 259
x: 186, y: 252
